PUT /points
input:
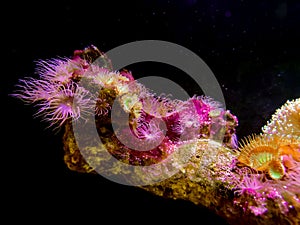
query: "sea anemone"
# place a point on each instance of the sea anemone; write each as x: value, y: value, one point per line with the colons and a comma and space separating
x: 152, y: 132
x: 251, y: 184
x: 204, y: 106
x: 261, y: 153
x: 66, y: 101
x: 188, y: 122
x: 61, y: 70
x: 264, y: 153
x: 109, y: 79
x: 158, y: 106
x: 56, y: 102
x: 102, y: 106
x: 103, y: 102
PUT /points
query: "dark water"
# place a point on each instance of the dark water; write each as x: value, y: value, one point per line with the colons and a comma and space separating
x: 251, y: 47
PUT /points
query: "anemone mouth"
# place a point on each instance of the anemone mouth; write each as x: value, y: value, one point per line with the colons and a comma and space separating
x: 260, y: 160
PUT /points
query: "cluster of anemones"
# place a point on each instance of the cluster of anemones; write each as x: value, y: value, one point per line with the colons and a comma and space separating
x: 54, y: 91
x: 280, y: 140
x: 272, y: 161
x: 68, y: 88
x: 58, y: 95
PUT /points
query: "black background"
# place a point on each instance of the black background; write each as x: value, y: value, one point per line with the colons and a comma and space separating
x: 251, y: 46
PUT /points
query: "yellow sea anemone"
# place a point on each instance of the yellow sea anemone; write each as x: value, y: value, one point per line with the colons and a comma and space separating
x: 264, y: 153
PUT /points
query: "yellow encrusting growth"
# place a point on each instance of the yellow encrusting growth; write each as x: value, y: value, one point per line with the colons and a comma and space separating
x: 285, y: 121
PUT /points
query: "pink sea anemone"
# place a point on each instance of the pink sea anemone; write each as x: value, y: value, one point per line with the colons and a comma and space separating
x: 152, y: 132
x: 250, y: 184
x: 55, y: 92
x: 203, y: 106
x: 158, y: 106
x: 61, y: 70
x: 66, y: 101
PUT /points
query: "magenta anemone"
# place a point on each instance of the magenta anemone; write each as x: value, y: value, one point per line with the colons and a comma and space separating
x: 66, y: 101
x: 250, y: 184
x: 203, y: 106
x: 152, y: 132
x: 60, y: 70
